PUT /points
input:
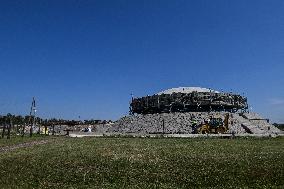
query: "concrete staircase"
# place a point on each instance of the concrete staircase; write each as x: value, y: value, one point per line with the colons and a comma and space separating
x: 248, y: 125
x: 254, y: 124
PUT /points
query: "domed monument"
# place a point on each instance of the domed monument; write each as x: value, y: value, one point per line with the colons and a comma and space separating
x: 188, y: 99
x: 192, y: 110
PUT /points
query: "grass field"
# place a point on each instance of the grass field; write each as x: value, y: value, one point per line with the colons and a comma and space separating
x: 144, y: 163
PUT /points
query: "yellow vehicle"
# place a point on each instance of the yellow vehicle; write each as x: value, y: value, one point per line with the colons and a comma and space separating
x: 44, y: 131
x: 215, y: 125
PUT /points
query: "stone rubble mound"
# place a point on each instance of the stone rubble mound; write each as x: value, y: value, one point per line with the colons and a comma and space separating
x: 181, y: 123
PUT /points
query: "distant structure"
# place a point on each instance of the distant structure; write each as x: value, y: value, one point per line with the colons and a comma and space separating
x: 188, y: 99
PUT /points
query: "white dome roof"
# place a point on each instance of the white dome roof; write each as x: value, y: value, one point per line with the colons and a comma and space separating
x: 186, y: 90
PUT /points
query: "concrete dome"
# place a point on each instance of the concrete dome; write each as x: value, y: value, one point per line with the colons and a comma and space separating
x: 186, y: 90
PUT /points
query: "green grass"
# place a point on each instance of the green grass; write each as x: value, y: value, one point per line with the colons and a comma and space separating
x: 146, y: 163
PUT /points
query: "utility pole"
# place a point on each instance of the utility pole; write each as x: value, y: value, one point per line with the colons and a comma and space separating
x: 163, y: 125
x: 32, y: 116
x: 3, y: 129
x: 53, y: 129
x: 39, y: 123
x: 24, y: 128
x: 9, y: 128
x: 130, y: 107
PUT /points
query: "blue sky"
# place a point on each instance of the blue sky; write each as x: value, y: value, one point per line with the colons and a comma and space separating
x: 85, y: 58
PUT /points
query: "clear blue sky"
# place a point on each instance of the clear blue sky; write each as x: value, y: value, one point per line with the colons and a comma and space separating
x: 86, y: 57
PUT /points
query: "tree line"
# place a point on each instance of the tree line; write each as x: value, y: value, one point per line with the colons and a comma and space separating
x: 21, y: 125
x: 279, y: 126
x: 21, y: 120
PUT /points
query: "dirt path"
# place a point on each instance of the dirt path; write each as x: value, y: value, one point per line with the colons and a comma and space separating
x: 23, y: 145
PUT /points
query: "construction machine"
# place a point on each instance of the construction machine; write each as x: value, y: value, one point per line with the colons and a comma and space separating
x: 214, y: 126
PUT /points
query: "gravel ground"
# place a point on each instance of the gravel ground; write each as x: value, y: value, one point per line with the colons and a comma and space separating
x: 23, y: 145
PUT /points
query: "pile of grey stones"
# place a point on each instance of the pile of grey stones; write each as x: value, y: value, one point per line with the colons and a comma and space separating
x: 181, y: 123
